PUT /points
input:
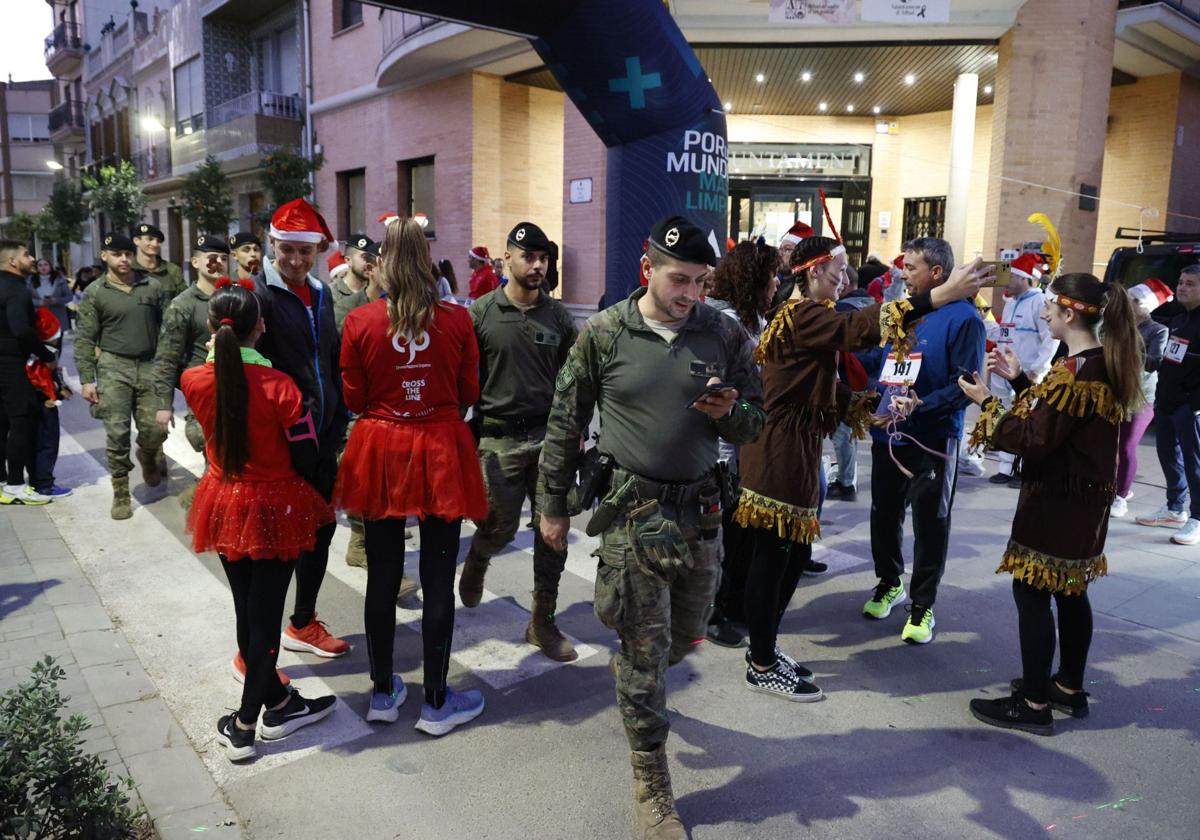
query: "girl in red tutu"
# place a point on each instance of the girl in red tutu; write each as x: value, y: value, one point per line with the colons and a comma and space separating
x: 409, y: 364
x: 251, y: 506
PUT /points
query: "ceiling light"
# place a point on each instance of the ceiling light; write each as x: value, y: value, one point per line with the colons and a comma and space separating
x: 876, y: 110
x: 806, y: 76
x: 849, y: 109
x: 987, y: 88
x: 823, y: 106
x: 759, y: 77
x: 728, y: 106
x: 910, y: 79
x: 53, y: 164
x: 858, y: 77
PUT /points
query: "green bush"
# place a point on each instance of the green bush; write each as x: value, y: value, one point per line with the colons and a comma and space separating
x: 49, y: 788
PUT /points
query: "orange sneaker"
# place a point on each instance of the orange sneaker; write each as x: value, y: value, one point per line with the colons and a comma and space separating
x: 314, y: 638
x: 238, y: 666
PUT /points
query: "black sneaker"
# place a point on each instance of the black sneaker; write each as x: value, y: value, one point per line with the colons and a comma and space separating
x: 1075, y: 705
x: 723, y: 633
x: 782, y: 681
x: 298, y: 712
x: 845, y: 492
x: 1000, y: 478
x: 1013, y: 713
x: 1014, y: 483
x: 239, y: 743
x: 815, y: 567
x: 798, y: 669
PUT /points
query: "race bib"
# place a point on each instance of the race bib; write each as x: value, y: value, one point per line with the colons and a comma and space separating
x: 900, y: 372
x: 1176, y: 349
x: 1006, y: 333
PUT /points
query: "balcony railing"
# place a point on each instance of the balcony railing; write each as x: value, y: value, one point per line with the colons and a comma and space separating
x: 260, y: 102
x: 67, y: 115
x: 92, y: 170
x: 153, y: 163
x: 64, y: 37
x: 1190, y: 8
x: 398, y: 26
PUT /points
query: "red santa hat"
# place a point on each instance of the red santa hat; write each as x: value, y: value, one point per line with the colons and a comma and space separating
x: 1154, y: 291
x: 1028, y: 265
x: 898, y: 263
x: 299, y: 221
x: 389, y: 217
x: 337, y: 264
x: 47, y: 325
x: 795, y: 233
x: 479, y: 252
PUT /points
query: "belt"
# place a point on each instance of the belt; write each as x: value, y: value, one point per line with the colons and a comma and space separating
x: 670, y: 492
x: 511, y: 426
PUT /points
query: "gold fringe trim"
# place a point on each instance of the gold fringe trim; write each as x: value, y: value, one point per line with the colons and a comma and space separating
x: 793, y: 523
x: 1055, y: 574
x: 981, y: 433
x: 783, y: 323
x: 892, y: 330
x: 1078, y: 399
x: 858, y: 416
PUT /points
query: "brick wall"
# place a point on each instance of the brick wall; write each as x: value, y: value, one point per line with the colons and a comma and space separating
x: 1185, y: 169
x: 583, y: 244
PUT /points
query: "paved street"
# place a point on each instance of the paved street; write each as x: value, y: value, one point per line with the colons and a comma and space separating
x: 146, y: 631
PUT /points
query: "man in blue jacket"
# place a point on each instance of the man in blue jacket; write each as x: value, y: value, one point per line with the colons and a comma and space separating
x: 947, y: 341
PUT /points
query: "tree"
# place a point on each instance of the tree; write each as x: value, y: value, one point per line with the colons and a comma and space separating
x: 206, y: 201
x: 117, y: 193
x: 21, y: 226
x: 284, y: 176
x: 61, y: 220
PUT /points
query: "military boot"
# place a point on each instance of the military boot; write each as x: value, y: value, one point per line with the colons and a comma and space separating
x: 186, y: 497
x: 150, y: 459
x: 356, y: 551
x: 408, y: 588
x: 544, y: 633
x: 122, y: 506
x: 470, y: 585
x: 653, y: 801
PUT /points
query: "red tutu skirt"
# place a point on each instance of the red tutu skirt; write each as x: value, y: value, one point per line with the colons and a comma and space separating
x: 391, y: 470
x: 258, y: 520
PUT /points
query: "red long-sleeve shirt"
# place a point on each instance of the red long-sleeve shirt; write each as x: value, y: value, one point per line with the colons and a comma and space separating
x: 391, y: 378
x: 483, y: 280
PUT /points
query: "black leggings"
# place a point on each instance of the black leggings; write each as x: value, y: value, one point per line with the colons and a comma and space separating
x: 771, y: 580
x: 310, y: 568
x: 259, y: 590
x: 18, y: 415
x: 385, y: 567
x: 1036, y: 623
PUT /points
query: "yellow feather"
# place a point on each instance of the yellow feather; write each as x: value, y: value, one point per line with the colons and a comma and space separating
x: 1053, y: 245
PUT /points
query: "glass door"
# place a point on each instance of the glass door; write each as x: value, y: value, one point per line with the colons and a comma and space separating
x: 773, y: 213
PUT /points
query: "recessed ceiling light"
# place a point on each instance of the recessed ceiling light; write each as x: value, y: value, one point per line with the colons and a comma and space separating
x: 728, y: 106
x: 759, y: 78
x: 822, y: 106
x: 806, y: 76
x: 910, y: 79
x: 987, y: 88
x: 858, y: 77
x: 849, y: 109
x: 876, y: 109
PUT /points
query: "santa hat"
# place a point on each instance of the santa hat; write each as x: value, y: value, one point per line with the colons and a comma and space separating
x: 795, y: 233
x: 421, y: 219
x: 389, y: 217
x: 47, y: 325
x: 337, y: 264
x: 299, y: 221
x: 898, y: 263
x: 1154, y: 291
x: 1029, y: 266
x: 479, y: 252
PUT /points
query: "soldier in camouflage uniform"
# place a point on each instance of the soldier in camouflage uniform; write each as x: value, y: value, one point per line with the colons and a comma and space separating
x: 184, y: 337
x: 647, y: 363
x: 349, y: 287
x: 524, y: 336
x: 116, y: 333
x: 149, y: 242
x: 246, y: 253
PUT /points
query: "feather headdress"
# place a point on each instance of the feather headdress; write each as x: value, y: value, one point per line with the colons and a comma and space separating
x: 1052, y: 246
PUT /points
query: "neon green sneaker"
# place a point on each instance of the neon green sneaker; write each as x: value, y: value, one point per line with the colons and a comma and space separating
x: 884, y: 599
x: 918, y: 630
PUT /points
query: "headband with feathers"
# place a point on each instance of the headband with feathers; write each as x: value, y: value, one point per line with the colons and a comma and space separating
x: 1052, y: 246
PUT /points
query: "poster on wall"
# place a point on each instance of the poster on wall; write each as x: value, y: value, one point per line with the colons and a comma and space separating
x: 812, y: 12
x: 906, y: 11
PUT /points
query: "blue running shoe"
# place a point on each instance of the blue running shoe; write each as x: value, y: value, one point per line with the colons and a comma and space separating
x: 459, y: 708
x: 56, y: 492
x: 385, y: 708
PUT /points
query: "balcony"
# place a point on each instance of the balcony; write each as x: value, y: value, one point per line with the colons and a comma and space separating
x: 64, y: 50
x: 239, y: 132
x: 418, y: 49
x: 67, y: 122
x: 153, y: 163
x: 115, y: 44
x: 257, y: 102
x: 1157, y: 37
x: 92, y: 169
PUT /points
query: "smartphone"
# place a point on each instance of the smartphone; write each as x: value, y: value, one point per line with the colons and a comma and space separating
x: 709, y: 389
x: 963, y: 373
x: 1001, y: 277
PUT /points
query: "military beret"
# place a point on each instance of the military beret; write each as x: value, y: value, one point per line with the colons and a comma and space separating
x: 362, y: 242
x: 209, y: 244
x: 528, y: 237
x: 676, y: 237
x: 242, y: 238
x: 148, y: 230
x: 117, y: 242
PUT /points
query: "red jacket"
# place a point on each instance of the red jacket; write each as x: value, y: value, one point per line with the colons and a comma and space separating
x: 483, y: 280
x: 390, y: 378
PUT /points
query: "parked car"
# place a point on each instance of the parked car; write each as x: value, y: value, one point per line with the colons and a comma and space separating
x: 1164, y: 255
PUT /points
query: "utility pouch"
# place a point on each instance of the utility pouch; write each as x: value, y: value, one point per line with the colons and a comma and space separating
x: 710, y: 512
x: 657, y: 542
x: 610, y: 508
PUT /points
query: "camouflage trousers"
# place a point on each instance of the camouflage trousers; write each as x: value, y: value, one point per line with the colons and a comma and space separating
x: 510, y: 473
x: 126, y: 389
x: 658, y: 620
x: 193, y: 432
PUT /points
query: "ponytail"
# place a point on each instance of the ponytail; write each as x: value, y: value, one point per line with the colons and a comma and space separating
x: 1124, y: 350
x: 233, y: 313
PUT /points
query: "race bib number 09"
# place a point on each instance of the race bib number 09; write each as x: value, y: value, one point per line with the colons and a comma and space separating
x: 900, y: 372
x: 1176, y: 349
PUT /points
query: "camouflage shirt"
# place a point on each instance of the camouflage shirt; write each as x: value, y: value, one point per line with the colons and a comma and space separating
x: 644, y: 386
x: 122, y: 322
x: 344, y: 299
x: 168, y: 275
x: 182, y: 341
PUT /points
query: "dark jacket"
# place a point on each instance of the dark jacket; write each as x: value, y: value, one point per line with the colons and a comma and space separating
x: 18, y: 335
x: 1179, y: 382
x: 304, y: 348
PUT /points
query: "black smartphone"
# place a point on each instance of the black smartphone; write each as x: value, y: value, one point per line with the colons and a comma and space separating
x: 709, y: 389
x: 963, y: 373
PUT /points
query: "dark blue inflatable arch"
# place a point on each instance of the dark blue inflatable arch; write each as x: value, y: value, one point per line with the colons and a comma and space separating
x: 634, y: 77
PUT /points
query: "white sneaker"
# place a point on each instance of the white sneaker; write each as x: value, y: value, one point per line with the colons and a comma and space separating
x: 1120, y: 506
x: 22, y: 495
x: 1164, y: 516
x: 1189, y: 534
x: 971, y: 468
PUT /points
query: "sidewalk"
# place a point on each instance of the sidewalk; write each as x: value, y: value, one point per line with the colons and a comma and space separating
x: 49, y: 607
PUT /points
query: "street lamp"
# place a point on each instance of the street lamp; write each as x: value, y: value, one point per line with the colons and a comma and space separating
x: 152, y: 123
x: 53, y: 165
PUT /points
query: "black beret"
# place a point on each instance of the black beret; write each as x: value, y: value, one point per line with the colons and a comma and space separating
x: 362, y: 242
x: 529, y: 237
x: 148, y: 230
x: 676, y: 237
x: 117, y: 242
x: 242, y: 238
x: 372, y: 249
x: 209, y: 244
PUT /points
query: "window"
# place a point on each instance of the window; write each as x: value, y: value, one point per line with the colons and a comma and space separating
x: 31, y: 187
x: 28, y: 128
x: 352, y: 202
x: 347, y: 13
x: 189, y: 96
x: 417, y: 191
x: 924, y: 217
x: 279, y: 61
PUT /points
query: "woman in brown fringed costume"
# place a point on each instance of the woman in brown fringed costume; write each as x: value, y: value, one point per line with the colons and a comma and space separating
x: 1065, y: 429
x: 780, y: 471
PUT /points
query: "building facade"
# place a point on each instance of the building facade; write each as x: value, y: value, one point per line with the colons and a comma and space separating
x: 25, y: 147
